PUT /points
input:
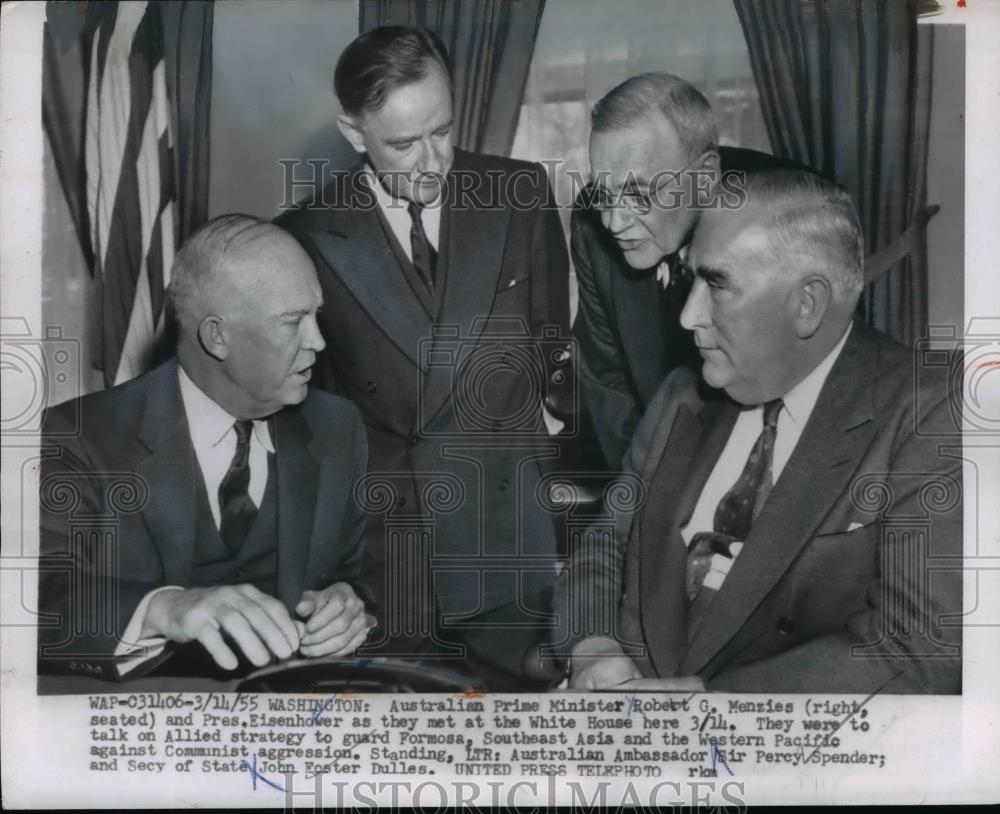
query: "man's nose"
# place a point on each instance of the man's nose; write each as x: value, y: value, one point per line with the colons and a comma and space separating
x: 429, y: 161
x: 312, y: 338
x: 616, y: 219
x: 695, y: 313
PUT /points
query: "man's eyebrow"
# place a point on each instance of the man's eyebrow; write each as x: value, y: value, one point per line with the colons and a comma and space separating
x: 397, y: 142
x: 401, y: 140
x: 636, y: 183
x: 713, y: 274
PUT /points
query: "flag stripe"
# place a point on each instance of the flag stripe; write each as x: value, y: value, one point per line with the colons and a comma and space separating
x: 127, y: 307
x: 161, y: 255
x: 113, y: 115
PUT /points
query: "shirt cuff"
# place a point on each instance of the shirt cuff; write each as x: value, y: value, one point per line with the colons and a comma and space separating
x: 133, y: 651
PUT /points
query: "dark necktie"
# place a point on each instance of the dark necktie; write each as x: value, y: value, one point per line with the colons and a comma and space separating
x: 236, y: 509
x: 739, y: 506
x: 424, y: 256
x: 678, y: 284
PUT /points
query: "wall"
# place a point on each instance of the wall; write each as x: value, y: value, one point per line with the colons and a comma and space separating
x: 272, y: 96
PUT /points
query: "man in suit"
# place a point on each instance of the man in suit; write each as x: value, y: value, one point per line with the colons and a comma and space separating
x: 220, y: 487
x: 802, y: 526
x: 654, y: 162
x: 443, y: 272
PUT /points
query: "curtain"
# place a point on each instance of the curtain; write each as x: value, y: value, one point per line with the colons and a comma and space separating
x: 845, y: 89
x: 126, y: 89
x: 486, y: 40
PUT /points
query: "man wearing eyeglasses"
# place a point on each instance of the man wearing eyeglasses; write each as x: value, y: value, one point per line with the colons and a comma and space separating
x: 655, y: 167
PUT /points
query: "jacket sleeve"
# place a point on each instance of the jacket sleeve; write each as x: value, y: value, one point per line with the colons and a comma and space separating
x: 604, y: 377
x: 349, y: 568
x: 84, y: 603
x: 588, y: 595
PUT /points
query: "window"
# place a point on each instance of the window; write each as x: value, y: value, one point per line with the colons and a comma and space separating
x: 586, y: 47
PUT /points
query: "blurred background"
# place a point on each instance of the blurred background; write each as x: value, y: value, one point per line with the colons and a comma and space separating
x: 265, y: 94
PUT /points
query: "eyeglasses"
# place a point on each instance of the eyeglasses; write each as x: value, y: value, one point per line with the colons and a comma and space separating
x: 639, y: 202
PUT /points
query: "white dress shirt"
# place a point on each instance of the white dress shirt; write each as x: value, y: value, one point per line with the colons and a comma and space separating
x: 396, y: 213
x: 213, y: 438
x: 798, y: 406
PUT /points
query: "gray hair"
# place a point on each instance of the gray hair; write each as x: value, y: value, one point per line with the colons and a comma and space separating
x: 811, y: 215
x: 680, y: 103
x: 202, y: 254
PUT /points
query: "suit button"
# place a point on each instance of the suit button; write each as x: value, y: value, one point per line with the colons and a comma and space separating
x: 786, y: 627
x: 504, y: 484
x: 371, y: 386
x: 414, y: 439
x: 241, y: 572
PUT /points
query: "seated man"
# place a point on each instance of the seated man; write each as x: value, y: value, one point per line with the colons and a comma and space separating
x: 210, y: 500
x: 801, y: 529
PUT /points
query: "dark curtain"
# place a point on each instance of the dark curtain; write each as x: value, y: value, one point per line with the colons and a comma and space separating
x: 187, y: 37
x: 845, y: 89
x: 490, y: 43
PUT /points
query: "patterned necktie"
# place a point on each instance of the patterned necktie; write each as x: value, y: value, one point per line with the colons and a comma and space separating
x: 424, y: 256
x: 236, y: 509
x: 736, y: 511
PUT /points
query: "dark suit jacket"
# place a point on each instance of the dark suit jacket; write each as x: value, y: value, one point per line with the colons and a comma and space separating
x: 460, y: 410
x: 849, y: 580
x: 131, y: 472
x: 629, y: 339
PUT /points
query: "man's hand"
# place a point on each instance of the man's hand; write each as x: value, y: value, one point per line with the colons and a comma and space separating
x: 335, y: 622
x: 599, y: 663
x: 259, y: 624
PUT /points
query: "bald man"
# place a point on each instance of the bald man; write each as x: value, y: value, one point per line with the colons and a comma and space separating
x: 232, y: 536
x: 803, y: 527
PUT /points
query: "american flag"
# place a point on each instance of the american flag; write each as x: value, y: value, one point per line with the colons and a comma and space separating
x: 113, y: 139
x: 130, y: 192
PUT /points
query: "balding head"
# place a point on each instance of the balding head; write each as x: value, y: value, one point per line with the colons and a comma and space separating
x: 206, y: 270
x: 246, y: 295
x: 652, y: 148
x: 677, y: 101
x: 776, y: 283
x: 812, y: 225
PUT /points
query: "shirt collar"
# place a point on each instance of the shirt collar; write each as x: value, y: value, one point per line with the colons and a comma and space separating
x: 384, y: 198
x: 208, y: 422
x: 800, y: 400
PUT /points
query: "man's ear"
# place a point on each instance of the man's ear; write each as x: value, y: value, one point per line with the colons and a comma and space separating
x: 711, y: 162
x: 815, y: 295
x: 351, y: 129
x: 213, y: 338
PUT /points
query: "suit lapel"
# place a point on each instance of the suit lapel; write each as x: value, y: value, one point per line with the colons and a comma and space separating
x: 417, y: 286
x: 169, y: 469
x: 674, y: 489
x: 298, y: 476
x: 832, y: 444
x: 352, y: 242
x: 473, y: 259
